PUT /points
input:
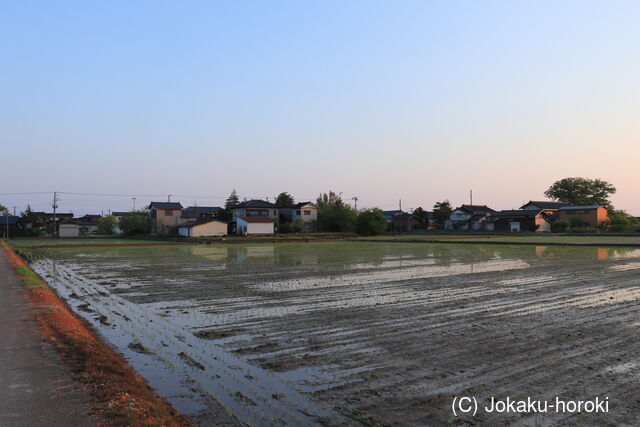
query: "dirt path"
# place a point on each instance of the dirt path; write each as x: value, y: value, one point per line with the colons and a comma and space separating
x: 37, y: 390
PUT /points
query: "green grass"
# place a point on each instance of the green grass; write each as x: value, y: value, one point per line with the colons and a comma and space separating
x: 37, y: 241
x: 605, y: 239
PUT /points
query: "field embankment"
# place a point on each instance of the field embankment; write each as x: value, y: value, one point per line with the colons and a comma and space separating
x: 119, y: 395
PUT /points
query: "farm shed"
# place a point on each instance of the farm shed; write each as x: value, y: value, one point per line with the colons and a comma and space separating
x: 253, y: 225
x: 68, y: 230
x: 591, y: 216
x: 202, y: 228
x: 521, y: 220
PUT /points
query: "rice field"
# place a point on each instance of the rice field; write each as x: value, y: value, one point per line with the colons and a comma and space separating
x: 355, y: 333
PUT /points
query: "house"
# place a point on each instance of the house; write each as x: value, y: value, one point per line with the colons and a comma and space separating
x: 254, y: 225
x: 203, y: 228
x: 469, y: 217
x: 199, y: 213
x: 9, y: 224
x: 68, y: 229
x: 88, y: 223
x: 533, y: 220
x: 305, y: 212
x: 255, y: 207
x: 591, y: 216
x: 164, y: 216
x: 47, y: 217
x: 399, y: 221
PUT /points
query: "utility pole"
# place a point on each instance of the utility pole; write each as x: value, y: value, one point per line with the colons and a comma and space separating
x: 169, y: 198
x: 471, y: 197
x: 400, y: 204
x: 355, y: 202
x: 55, y: 206
x: 14, y: 211
x: 134, y: 203
x: 7, y: 218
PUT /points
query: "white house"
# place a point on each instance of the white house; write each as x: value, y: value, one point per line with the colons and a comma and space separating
x: 469, y: 217
x: 204, y: 228
x: 306, y: 212
x: 253, y: 225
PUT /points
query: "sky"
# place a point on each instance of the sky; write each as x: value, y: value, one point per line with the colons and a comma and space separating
x: 414, y: 100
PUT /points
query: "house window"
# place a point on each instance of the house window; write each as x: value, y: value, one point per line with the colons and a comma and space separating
x: 275, y: 212
x: 298, y: 213
x: 307, y: 212
x: 168, y: 212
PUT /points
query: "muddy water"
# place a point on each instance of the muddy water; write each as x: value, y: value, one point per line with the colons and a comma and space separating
x: 339, y: 333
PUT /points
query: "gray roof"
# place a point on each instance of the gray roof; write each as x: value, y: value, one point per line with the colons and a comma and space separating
x: 258, y: 204
x: 571, y: 207
x: 165, y: 205
x: 517, y: 213
x: 545, y: 204
x: 301, y: 204
x: 196, y: 211
x: 476, y: 208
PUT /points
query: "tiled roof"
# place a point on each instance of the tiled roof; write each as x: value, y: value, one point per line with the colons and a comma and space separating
x: 477, y: 208
x: 9, y: 219
x: 517, y: 213
x: 196, y: 211
x: 571, y: 207
x: 255, y: 204
x: 165, y: 205
x: 545, y: 204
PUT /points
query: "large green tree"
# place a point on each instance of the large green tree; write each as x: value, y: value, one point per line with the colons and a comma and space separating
x: 371, y: 222
x: 135, y: 223
x: 285, y: 200
x: 421, y: 216
x: 441, y: 212
x: 334, y: 215
x: 232, y: 200
x: 582, y: 192
x: 107, y: 224
x: 4, y: 210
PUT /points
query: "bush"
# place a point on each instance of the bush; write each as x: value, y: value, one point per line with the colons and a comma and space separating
x: 371, y: 222
x: 575, y: 222
x: 336, y: 218
x: 621, y: 222
x: 560, y: 226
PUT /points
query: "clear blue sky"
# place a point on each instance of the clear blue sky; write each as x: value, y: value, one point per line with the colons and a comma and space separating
x: 384, y: 100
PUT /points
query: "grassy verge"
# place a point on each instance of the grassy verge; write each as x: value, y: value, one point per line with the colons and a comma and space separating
x: 119, y: 396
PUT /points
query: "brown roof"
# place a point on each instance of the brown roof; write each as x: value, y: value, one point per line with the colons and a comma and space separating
x: 256, y: 219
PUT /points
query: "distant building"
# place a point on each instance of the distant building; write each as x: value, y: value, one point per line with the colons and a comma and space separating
x: 521, y: 220
x: 88, y: 223
x: 10, y: 224
x: 545, y: 205
x: 469, y: 217
x: 399, y: 221
x: 259, y: 208
x: 254, y: 225
x: 203, y: 228
x: 164, y: 217
x: 591, y: 216
x: 304, y: 212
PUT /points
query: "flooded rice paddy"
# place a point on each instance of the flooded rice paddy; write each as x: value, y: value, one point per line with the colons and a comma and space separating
x: 364, y: 333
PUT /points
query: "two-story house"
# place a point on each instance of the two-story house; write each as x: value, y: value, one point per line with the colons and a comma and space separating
x: 200, y: 213
x: 164, y: 216
x: 255, y: 207
x: 304, y: 212
x: 468, y: 217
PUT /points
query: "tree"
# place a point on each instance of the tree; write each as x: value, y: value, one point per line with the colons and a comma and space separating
x: 330, y: 199
x: 441, y: 212
x: 371, y: 222
x: 582, y: 192
x: 285, y: 200
x: 135, y: 223
x: 107, y: 224
x: 334, y: 215
x: 422, y: 217
x: 620, y: 221
x: 3, y: 210
x: 232, y: 201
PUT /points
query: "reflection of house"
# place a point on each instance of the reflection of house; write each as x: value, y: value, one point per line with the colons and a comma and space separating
x: 165, y: 216
x: 591, y: 216
x: 254, y: 225
x: 521, y: 220
x: 469, y: 217
x: 398, y: 220
x: 306, y: 212
x: 202, y: 228
x: 199, y: 213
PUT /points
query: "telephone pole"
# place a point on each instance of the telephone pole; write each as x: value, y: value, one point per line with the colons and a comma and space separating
x: 355, y: 202
x: 134, y: 203
x: 14, y: 211
x: 55, y: 206
x: 471, y: 197
x: 169, y: 198
x: 400, y: 204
